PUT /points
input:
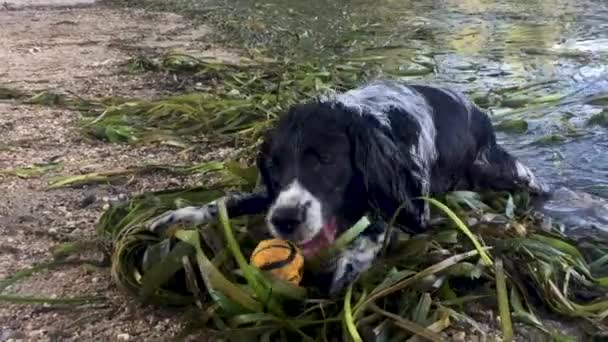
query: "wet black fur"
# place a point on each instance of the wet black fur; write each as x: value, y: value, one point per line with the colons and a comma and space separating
x: 354, y: 165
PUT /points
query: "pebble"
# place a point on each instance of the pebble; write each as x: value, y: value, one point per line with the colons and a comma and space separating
x: 123, y: 337
x: 87, y: 201
x: 459, y: 336
x: 11, y: 335
x: 36, y: 333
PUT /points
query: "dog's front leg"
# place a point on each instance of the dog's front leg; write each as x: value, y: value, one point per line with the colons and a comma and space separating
x: 358, y: 257
x: 237, y: 204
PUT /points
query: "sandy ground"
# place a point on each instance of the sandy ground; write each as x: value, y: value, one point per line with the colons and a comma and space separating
x: 81, y: 50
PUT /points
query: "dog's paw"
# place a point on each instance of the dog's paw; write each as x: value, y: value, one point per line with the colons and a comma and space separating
x: 345, y: 275
x: 357, y: 258
x: 187, y: 215
x: 160, y: 224
x: 528, y: 179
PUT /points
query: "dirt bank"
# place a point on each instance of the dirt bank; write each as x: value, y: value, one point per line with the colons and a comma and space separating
x: 81, y: 50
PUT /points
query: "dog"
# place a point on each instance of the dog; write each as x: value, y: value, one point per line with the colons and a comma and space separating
x: 370, y: 150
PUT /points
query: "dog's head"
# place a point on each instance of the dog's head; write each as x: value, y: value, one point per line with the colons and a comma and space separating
x: 324, y: 166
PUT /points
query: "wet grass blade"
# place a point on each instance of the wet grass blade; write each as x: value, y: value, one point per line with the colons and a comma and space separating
x: 218, y: 286
x: 66, y: 249
x: 545, y: 261
x: 600, y: 119
x: 409, y: 326
x: 438, y: 326
x: 17, y: 299
x: 518, y: 126
x: 30, y: 171
x: 28, y: 272
x: 113, y: 175
x: 342, y: 241
x: 91, y: 178
x: 261, y: 290
x: 503, y: 301
x: 163, y: 268
x: 348, y: 316
x: 484, y: 256
x: 410, y: 279
x: 279, y: 287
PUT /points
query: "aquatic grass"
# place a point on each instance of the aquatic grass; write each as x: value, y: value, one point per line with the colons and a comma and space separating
x: 549, y: 140
x: 108, y: 176
x: 598, y: 100
x: 503, y: 301
x: 11, y: 94
x: 262, y: 290
x: 236, y: 100
x: 51, y: 98
x: 348, y: 316
x: 484, y: 256
x: 341, y: 242
x: 518, y: 126
x: 30, y: 171
x: 184, y: 268
x: 599, y: 119
x: 59, y: 262
x: 21, y: 299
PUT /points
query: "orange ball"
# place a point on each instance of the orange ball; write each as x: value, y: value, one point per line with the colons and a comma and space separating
x: 281, y: 258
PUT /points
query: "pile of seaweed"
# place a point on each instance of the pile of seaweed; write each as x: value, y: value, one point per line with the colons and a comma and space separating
x: 482, y: 248
x: 489, y: 248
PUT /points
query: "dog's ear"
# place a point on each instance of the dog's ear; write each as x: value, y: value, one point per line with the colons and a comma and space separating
x: 262, y: 163
x: 385, y: 171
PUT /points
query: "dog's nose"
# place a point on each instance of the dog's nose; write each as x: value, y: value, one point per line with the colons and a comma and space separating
x: 287, y: 219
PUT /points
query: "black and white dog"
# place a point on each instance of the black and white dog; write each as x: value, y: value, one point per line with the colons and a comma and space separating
x: 369, y: 150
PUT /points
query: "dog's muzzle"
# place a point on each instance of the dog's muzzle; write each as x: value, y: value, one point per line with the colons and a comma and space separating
x: 287, y: 219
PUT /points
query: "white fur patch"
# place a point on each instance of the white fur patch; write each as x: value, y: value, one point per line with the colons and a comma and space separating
x: 186, y: 215
x: 378, y: 98
x: 356, y: 259
x: 526, y: 175
x: 295, y: 195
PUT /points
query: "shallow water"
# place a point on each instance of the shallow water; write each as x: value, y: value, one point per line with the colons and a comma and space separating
x: 478, y: 47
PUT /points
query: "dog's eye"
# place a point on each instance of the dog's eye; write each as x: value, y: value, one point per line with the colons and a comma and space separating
x: 317, y: 158
x: 325, y: 158
x: 273, y: 162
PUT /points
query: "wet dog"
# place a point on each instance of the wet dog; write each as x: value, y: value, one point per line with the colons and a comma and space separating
x: 370, y: 150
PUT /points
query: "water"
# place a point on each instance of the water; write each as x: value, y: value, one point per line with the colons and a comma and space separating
x: 476, y: 46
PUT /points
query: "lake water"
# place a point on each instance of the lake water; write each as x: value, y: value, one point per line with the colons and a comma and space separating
x: 555, y: 50
x: 481, y: 47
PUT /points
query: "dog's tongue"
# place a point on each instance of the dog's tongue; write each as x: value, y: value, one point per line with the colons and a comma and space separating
x: 326, y: 237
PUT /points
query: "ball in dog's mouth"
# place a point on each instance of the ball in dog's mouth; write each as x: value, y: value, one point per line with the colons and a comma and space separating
x: 323, y: 239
